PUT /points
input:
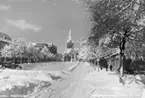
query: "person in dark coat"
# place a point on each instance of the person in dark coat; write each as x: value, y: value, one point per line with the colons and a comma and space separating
x: 111, y: 67
x: 106, y: 65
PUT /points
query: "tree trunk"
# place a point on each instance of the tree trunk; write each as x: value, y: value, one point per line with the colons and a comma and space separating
x: 98, y: 65
x: 21, y: 58
x: 5, y: 59
x: 121, y: 65
x: 122, y: 48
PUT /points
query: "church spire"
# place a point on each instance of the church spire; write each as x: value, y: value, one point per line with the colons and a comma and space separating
x: 69, y: 37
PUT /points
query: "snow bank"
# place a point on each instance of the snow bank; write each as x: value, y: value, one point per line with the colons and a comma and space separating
x: 71, y: 68
x: 10, y: 78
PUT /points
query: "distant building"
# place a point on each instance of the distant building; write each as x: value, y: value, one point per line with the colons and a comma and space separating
x: 70, y: 53
x: 4, y: 40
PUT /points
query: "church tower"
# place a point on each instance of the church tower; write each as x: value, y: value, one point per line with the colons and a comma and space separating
x: 70, y: 43
x: 69, y: 49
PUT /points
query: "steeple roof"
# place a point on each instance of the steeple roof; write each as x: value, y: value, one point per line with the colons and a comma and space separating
x: 69, y: 37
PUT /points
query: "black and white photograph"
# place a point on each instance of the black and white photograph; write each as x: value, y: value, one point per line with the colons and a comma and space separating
x: 72, y: 48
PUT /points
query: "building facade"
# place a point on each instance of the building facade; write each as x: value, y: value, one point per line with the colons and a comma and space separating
x: 4, y: 40
x: 70, y: 53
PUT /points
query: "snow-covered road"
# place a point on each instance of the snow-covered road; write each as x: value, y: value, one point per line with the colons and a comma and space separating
x: 78, y: 81
x: 80, y: 84
x: 67, y: 87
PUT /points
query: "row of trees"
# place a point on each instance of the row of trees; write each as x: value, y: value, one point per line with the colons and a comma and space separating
x: 21, y: 51
x: 121, y: 22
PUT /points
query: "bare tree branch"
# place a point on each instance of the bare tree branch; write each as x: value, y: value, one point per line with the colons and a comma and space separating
x: 125, y: 8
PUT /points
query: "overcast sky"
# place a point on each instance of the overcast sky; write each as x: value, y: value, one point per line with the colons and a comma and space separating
x: 43, y: 20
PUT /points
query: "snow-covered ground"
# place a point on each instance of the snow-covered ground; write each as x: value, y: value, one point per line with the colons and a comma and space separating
x: 86, y: 83
x: 107, y: 85
x: 81, y: 82
x: 10, y: 79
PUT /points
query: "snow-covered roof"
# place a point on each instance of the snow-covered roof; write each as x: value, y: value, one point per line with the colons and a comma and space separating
x: 110, y: 52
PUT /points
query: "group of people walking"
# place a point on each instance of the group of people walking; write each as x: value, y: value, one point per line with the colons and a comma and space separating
x: 100, y: 64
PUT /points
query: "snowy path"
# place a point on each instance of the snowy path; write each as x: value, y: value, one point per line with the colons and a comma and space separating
x: 66, y: 87
x: 80, y: 84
